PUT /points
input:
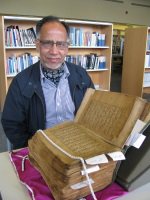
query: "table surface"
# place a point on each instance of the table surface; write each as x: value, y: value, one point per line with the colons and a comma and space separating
x: 12, y: 189
x: 10, y: 186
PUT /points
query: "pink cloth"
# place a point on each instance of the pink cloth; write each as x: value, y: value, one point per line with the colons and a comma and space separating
x: 37, y: 187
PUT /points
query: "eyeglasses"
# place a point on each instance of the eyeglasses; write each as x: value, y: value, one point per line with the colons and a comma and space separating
x: 48, y: 44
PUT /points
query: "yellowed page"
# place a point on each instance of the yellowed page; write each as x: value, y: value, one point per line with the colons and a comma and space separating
x: 111, y: 115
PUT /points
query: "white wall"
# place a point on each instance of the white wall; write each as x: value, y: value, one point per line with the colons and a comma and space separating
x: 100, y: 10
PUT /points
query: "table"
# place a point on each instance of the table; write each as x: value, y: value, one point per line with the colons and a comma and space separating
x: 10, y: 186
x: 12, y: 189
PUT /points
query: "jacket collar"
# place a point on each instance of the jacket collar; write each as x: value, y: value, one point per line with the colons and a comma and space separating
x: 75, y: 80
x: 33, y: 83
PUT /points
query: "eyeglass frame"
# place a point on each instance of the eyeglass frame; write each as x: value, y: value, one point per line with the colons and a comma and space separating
x: 48, y: 44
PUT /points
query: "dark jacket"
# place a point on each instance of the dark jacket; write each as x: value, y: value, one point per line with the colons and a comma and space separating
x: 24, y: 110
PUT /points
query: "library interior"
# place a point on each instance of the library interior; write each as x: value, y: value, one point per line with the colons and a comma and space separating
x: 110, y: 41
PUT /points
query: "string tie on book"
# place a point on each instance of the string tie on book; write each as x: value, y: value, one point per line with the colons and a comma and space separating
x: 24, y: 158
x: 75, y: 158
x: 23, y: 162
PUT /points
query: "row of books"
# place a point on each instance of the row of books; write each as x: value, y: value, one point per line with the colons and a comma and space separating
x: 80, y: 37
x: 148, y: 42
x: 16, y: 64
x: 18, y: 37
x: 89, y: 61
x: 146, y: 82
x: 118, y: 45
x: 147, y: 60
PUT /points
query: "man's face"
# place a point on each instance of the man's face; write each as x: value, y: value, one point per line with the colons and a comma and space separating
x: 52, y: 45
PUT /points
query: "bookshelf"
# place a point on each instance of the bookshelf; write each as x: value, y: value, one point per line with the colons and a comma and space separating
x: 99, y: 74
x: 118, y: 42
x: 136, y: 62
x: 117, y: 47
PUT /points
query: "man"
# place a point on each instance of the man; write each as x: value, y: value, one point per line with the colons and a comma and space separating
x: 49, y: 91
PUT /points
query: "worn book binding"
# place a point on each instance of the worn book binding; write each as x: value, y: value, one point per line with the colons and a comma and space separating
x: 102, y: 125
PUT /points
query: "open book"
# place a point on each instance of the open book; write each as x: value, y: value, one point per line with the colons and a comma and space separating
x: 102, y: 125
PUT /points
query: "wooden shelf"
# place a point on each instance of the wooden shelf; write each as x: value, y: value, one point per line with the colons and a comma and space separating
x: 100, y: 77
x: 25, y: 47
x: 135, y: 49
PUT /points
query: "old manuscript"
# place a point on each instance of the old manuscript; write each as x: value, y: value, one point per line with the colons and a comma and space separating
x: 102, y: 125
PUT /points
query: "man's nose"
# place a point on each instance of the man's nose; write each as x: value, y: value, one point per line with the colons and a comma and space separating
x: 54, y: 49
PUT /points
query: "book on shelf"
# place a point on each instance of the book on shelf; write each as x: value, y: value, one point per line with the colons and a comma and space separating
x: 98, y: 134
x: 19, y: 37
x: 10, y: 36
x: 146, y: 82
x: 102, y: 62
x: 88, y: 61
x: 72, y: 36
x: 31, y: 34
x: 16, y: 64
x: 80, y: 37
x: 101, y: 39
x: 147, y: 60
x: 148, y: 42
x: 94, y: 39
